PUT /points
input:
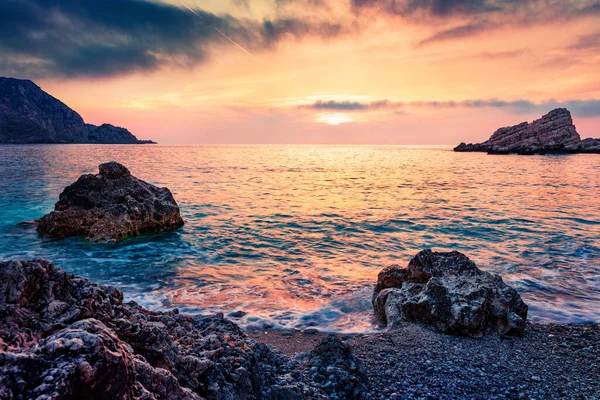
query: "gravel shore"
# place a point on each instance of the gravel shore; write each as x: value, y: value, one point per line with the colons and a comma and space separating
x: 413, y: 362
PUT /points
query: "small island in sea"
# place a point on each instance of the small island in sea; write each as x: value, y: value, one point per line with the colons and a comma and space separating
x: 30, y: 115
x: 554, y: 133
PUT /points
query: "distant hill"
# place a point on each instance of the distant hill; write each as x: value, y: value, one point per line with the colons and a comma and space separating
x: 30, y: 115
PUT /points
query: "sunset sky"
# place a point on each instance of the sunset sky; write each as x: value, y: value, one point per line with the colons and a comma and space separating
x: 310, y: 71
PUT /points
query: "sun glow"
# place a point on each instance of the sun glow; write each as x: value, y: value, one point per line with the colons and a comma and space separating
x: 334, y: 118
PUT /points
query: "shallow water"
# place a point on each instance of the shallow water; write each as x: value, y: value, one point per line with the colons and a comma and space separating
x: 295, y: 235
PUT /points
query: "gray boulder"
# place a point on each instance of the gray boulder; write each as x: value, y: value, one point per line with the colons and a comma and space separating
x: 111, y: 206
x: 447, y: 292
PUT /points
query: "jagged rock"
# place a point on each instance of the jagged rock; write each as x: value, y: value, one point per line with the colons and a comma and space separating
x: 553, y: 133
x: 111, y: 206
x: 30, y: 115
x: 590, y: 145
x: 332, y: 365
x: 85, y: 360
x: 64, y: 337
x: 449, y: 293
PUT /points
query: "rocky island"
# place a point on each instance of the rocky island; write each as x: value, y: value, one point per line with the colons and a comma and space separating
x: 554, y: 133
x: 30, y: 115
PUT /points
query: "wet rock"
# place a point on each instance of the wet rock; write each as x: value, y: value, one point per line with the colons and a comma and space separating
x: 552, y: 133
x: 64, y: 337
x: 332, y: 365
x: 448, y: 292
x: 111, y: 206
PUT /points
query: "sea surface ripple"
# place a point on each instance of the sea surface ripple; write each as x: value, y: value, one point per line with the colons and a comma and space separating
x: 294, y: 236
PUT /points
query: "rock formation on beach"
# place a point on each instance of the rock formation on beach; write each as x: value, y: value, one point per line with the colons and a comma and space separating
x: 553, y: 133
x: 30, y: 115
x: 64, y: 337
x: 111, y: 206
x: 449, y: 293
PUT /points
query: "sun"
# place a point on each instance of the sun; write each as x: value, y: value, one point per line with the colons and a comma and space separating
x: 334, y: 118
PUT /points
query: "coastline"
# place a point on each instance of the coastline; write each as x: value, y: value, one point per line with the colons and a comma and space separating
x: 58, y: 321
x: 550, y: 361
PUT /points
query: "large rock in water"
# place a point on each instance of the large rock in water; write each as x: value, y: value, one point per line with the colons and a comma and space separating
x: 63, y: 337
x: 449, y: 293
x: 30, y: 115
x: 111, y: 206
x: 553, y: 133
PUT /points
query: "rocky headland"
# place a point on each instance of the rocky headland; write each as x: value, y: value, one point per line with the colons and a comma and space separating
x: 554, y: 133
x: 111, y: 206
x: 30, y: 115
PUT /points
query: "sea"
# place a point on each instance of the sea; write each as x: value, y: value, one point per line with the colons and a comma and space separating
x: 294, y: 236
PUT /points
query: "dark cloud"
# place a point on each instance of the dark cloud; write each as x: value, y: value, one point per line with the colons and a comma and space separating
x: 587, y: 42
x: 349, y: 105
x: 580, y: 108
x: 438, y: 8
x: 469, y: 8
x: 474, y: 17
x: 109, y: 37
x: 461, y: 31
x: 275, y: 30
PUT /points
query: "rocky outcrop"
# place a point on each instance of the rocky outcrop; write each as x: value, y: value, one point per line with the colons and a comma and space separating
x: 335, y: 370
x: 447, y: 292
x: 111, y: 206
x: 109, y: 134
x: 553, y: 133
x: 589, y: 145
x: 30, y: 115
x: 63, y: 337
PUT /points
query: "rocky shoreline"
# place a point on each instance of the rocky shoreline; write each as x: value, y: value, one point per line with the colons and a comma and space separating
x: 64, y: 337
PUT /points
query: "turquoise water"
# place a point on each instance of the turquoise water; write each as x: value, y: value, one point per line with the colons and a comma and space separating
x: 295, y: 235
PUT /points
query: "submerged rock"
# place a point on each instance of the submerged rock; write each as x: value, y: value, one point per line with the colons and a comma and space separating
x: 449, y: 293
x: 111, y: 206
x: 64, y: 337
x: 553, y: 133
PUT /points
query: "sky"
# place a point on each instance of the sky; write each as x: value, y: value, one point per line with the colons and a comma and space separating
x: 310, y: 71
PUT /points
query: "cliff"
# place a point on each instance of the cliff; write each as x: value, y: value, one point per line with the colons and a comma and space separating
x: 553, y: 133
x: 30, y: 115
